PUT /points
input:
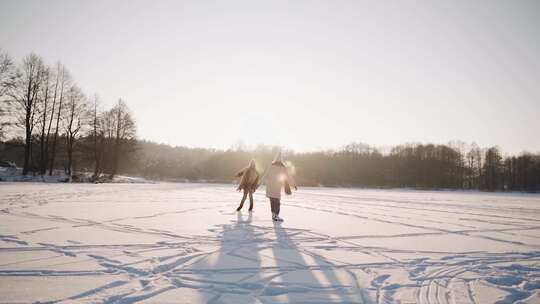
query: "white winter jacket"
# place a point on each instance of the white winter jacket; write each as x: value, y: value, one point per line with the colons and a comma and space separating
x: 275, y: 178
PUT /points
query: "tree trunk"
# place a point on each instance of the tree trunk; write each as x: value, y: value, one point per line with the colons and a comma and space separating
x: 55, y: 137
x: 117, y: 143
x: 69, y: 155
x: 42, y: 156
x: 115, y: 157
x: 28, y: 128
x: 96, y: 152
x: 27, y: 143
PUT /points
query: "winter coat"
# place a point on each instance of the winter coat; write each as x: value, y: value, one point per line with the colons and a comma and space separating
x: 276, y: 178
x: 250, y: 179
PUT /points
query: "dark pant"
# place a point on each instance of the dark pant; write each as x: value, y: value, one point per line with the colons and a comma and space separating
x: 274, y: 205
x: 246, y: 193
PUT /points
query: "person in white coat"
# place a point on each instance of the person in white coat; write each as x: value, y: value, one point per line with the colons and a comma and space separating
x: 277, y: 178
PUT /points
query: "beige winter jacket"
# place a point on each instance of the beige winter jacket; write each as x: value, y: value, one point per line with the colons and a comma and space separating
x: 250, y: 179
x: 275, y: 178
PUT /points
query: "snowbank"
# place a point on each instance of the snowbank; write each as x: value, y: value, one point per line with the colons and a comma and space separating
x: 8, y: 174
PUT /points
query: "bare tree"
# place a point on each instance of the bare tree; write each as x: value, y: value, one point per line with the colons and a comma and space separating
x: 124, y: 131
x: 24, y: 92
x: 98, y: 138
x: 44, y: 110
x: 7, y: 77
x: 460, y: 147
x: 6, y: 72
x: 76, y: 114
x: 492, y: 169
x: 62, y: 83
x: 57, y: 76
x: 474, y: 166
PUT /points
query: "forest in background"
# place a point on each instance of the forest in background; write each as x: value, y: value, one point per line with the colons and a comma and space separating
x: 47, y: 123
x: 421, y: 166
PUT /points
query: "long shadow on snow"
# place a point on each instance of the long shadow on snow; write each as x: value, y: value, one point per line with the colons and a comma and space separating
x: 232, y: 273
x: 309, y: 278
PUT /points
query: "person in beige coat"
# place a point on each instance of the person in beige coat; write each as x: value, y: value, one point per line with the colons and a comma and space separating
x: 277, y: 178
x: 249, y: 183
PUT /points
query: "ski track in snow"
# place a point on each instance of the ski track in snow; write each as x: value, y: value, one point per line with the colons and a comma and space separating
x: 184, y: 243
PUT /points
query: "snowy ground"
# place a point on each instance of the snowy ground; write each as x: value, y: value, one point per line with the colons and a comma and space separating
x: 184, y: 243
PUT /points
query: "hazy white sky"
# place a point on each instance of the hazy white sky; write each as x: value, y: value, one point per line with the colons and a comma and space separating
x: 302, y: 74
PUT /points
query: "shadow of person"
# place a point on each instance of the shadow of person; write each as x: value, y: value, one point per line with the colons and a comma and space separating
x: 305, y: 277
x: 231, y: 272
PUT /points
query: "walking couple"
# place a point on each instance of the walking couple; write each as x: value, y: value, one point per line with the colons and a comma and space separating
x: 276, y: 178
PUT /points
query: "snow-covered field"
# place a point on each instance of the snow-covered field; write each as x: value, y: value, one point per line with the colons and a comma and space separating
x: 184, y: 243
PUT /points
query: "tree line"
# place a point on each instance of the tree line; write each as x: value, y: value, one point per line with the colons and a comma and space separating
x: 55, y: 123
x: 421, y: 166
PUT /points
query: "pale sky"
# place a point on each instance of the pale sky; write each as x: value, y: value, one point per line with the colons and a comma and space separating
x: 302, y: 74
